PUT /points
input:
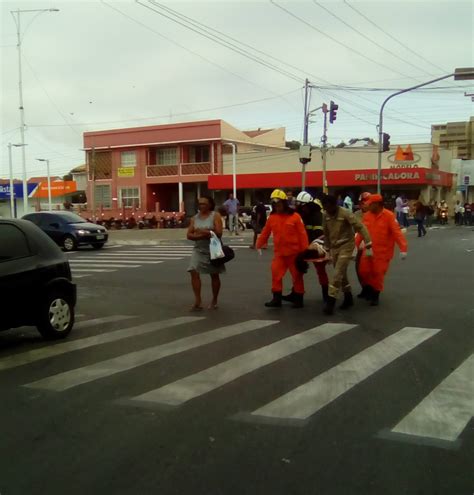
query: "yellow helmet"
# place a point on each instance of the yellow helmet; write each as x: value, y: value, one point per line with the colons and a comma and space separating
x: 318, y: 202
x: 278, y: 195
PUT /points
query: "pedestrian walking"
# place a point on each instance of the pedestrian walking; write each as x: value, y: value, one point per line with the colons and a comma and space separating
x: 363, y: 208
x: 457, y: 213
x: 430, y: 211
x: 310, y: 211
x: 420, y: 215
x: 399, y: 209
x: 199, y: 231
x: 405, y: 215
x: 348, y: 205
x: 259, y: 219
x: 291, y: 199
x: 467, y: 214
x: 232, y: 207
x: 339, y: 229
x: 289, y: 239
x: 385, y: 232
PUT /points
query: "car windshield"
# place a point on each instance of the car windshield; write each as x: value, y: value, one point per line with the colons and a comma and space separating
x: 72, y: 218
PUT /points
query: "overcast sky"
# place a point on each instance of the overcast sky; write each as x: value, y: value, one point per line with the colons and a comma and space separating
x: 90, y: 67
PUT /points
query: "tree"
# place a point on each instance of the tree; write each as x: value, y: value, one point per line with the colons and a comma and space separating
x: 342, y: 144
x: 293, y: 145
x: 368, y: 141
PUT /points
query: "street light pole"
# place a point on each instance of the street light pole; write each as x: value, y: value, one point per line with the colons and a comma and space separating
x: 305, y: 130
x: 379, y: 165
x: 234, y: 169
x: 20, y: 92
x: 50, y: 204
x: 12, y: 191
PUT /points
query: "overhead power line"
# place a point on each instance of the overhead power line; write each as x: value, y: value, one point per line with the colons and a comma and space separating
x: 195, y: 53
x: 335, y: 40
x: 219, y: 40
x: 394, y: 38
x: 370, y: 40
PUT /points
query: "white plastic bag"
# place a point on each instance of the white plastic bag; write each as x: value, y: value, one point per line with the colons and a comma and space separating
x: 215, y: 247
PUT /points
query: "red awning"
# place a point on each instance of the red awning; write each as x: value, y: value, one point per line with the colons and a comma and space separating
x: 335, y: 178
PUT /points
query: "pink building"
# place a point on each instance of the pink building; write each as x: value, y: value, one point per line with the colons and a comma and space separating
x: 163, y: 167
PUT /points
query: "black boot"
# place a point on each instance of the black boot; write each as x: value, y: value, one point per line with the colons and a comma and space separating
x: 275, y: 302
x: 291, y: 297
x: 374, y: 299
x: 329, y: 306
x: 348, y: 301
x: 298, y: 300
x: 364, y: 294
x: 324, y: 290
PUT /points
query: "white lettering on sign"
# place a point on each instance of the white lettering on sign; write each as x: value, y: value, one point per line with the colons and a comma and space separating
x: 389, y: 176
x: 401, y: 165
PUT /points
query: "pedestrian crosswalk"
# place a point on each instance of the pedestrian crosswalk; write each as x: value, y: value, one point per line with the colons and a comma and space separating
x: 441, y: 415
x: 111, y: 259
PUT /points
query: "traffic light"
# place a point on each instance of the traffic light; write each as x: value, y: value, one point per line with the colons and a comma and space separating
x: 385, y: 142
x: 332, y: 112
x: 305, y: 153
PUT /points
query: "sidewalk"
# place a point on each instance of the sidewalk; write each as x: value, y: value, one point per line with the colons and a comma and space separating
x: 152, y: 237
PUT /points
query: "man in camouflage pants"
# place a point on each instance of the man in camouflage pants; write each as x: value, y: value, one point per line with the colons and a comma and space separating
x: 340, y: 226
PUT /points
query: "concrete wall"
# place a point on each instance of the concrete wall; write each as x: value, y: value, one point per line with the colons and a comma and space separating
x: 337, y: 159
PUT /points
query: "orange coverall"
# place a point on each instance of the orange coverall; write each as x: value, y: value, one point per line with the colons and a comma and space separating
x: 289, y: 239
x: 385, y: 232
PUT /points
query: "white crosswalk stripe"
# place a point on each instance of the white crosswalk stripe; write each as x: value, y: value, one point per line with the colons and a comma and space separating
x: 200, y: 383
x: 309, y: 398
x: 104, y: 338
x: 73, y: 378
x: 442, y: 415
x: 447, y: 410
x: 129, y: 262
x: 102, y: 264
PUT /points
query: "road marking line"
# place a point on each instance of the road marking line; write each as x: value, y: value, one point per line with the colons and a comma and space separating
x: 95, y: 270
x: 79, y: 276
x: 192, y: 386
x: 104, y: 338
x: 305, y: 400
x: 95, y: 264
x: 167, y: 253
x: 129, y: 262
x: 79, y: 376
x: 117, y: 257
x: 445, y: 412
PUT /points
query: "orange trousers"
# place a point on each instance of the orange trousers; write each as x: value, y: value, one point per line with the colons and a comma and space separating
x: 372, y: 270
x: 280, y: 265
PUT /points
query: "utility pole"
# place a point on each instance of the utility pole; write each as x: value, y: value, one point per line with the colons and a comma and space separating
x: 324, y: 150
x: 12, y: 190
x: 92, y: 165
x: 17, y: 18
x: 304, y: 161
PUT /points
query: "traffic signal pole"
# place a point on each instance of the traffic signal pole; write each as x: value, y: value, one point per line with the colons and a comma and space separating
x: 305, y: 131
x: 325, y: 150
x: 379, y: 164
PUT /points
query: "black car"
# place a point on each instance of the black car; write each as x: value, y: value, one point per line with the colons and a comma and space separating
x: 69, y: 230
x: 35, y: 281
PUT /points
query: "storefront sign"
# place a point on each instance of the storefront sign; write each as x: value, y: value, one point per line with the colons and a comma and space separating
x: 126, y: 172
x: 389, y: 176
x: 58, y: 188
x: 404, y: 158
x: 17, y: 190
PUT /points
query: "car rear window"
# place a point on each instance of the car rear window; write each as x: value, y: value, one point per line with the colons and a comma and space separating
x: 13, y: 243
x: 36, y: 219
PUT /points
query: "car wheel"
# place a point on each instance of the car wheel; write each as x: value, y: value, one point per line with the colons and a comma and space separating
x: 69, y: 243
x: 56, y: 316
x: 99, y: 245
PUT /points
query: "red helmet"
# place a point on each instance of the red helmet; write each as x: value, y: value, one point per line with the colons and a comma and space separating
x: 364, y: 197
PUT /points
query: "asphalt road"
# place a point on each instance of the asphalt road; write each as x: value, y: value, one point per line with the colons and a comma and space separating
x: 145, y: 397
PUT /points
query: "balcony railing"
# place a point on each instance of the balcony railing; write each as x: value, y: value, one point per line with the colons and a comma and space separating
x: 181, y: 169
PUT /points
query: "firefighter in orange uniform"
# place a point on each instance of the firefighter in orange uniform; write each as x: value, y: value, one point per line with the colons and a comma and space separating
x: 385, y: 232
x: 289, y: 239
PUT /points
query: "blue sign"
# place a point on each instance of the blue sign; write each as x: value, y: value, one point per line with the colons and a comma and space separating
x: 17, y: 190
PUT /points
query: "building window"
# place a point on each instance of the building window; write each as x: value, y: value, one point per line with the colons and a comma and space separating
x: 130, y: 197
x: 128, y: 159
x: 103, y: 196
x: 199, y: 154
x: 167, y: 156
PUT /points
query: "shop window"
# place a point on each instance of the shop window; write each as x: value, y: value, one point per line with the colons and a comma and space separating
x: 103, y: 196
x: 128, y: 159
x: 130, y: 197
x: 167, y: 156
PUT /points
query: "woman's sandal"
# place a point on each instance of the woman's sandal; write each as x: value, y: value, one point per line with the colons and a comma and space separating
x: 195, y: 308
